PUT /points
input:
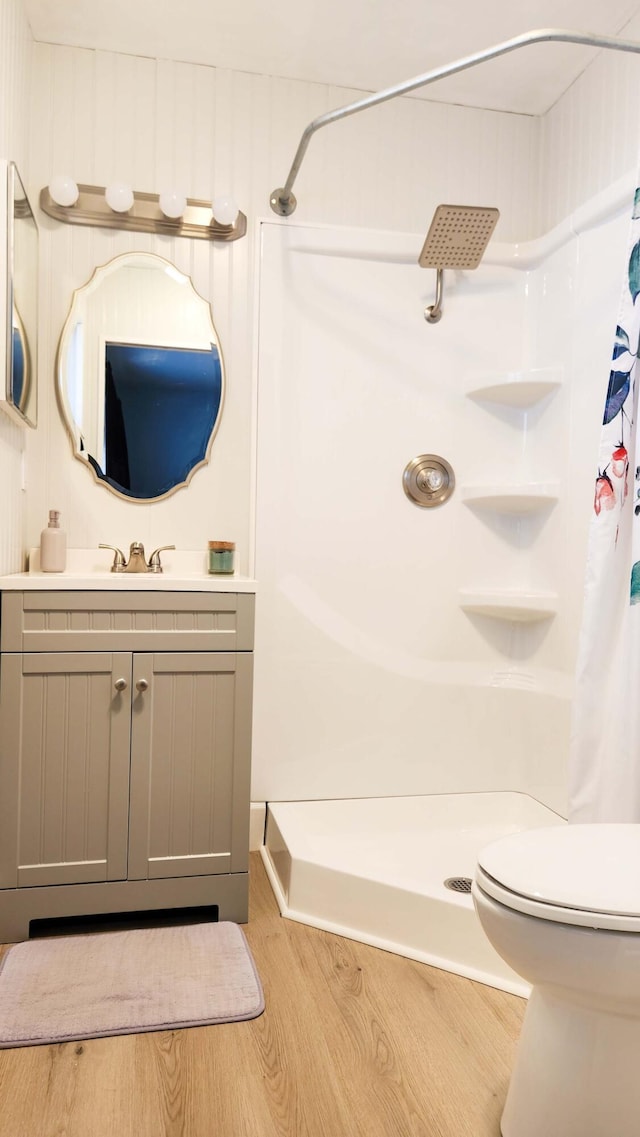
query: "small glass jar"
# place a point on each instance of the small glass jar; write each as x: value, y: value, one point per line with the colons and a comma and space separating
x: 222, y: 556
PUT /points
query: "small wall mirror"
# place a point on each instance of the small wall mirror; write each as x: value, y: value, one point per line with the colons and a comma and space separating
x: 21, y: 300
x: 140, y: 377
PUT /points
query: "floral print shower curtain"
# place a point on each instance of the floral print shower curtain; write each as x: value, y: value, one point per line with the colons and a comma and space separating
x: 604, y: 768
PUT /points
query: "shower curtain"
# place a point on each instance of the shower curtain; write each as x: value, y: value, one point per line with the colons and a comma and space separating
x: 604, y: 767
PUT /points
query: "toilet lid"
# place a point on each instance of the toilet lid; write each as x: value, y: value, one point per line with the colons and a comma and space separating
x: 579, y: 869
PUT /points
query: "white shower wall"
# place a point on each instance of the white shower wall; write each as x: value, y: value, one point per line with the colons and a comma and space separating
x: 371, y: 680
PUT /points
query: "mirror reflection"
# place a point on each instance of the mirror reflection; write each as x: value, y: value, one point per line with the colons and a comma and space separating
x: 21, y: 371
x: 23, y: 301
x: 140, y: 377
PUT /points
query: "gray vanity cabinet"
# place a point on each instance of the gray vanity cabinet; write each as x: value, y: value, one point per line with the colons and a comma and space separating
x: 189, y: 794
x: 64, y: 768
x: 124, y: 771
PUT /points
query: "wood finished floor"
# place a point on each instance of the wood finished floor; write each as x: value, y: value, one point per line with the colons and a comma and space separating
x: 354, y: 1042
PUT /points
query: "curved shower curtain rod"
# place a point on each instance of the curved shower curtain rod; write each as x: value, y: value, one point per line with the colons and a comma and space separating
x: 283, y: 201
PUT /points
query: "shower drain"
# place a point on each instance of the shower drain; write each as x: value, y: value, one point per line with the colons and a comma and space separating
x: 458, y: 883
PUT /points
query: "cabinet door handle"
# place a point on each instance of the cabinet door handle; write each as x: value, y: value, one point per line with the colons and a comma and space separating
x: 142, y: 685
x: 120, y: 684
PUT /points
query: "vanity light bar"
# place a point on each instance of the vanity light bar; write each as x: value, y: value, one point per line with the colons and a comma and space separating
x: 145, y: 215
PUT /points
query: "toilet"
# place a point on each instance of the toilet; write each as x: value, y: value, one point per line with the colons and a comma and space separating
x: 561, y: 905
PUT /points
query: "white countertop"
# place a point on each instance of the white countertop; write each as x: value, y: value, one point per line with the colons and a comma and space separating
x: 89, y: 569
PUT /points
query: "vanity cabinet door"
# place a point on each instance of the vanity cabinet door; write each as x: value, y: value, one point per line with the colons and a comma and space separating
x: 65, y: 723
x: 190, y: 760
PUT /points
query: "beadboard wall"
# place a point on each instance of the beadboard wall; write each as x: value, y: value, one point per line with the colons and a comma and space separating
x: 102, y: 116
x: 15, y: 61
x: 591, y: 137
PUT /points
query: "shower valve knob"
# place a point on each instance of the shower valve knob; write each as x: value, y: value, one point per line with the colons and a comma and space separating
x: 428, y: 480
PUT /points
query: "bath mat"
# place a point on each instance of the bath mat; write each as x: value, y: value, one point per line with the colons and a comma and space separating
x: 91, y: 986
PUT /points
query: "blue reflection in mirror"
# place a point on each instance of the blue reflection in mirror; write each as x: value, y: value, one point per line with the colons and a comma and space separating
x: 19, y: 384
x: 160, y: 408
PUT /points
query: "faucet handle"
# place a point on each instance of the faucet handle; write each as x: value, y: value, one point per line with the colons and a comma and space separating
x: 154, y: 559
x: 118, y: 560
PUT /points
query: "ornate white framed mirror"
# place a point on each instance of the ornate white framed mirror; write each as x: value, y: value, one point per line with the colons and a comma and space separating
x: 140, y: 377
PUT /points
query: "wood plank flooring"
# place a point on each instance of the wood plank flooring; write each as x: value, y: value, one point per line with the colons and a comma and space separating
x: 354, y: 1042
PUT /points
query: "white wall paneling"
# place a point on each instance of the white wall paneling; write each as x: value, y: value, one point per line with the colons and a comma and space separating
x: 591, y: 136
x: 15, y: 67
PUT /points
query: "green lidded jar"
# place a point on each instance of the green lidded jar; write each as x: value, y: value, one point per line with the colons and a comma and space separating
x: 222, y: 556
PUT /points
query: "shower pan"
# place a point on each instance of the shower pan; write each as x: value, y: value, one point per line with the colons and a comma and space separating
x: 380, y: 870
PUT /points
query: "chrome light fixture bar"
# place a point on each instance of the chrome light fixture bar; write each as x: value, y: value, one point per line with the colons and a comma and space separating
x: 144, y: 216
x: 283, y: 201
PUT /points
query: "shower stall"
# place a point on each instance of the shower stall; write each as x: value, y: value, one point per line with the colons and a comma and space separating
x: 414, y: 667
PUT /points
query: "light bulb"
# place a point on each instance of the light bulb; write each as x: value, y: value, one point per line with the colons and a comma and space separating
x: 63, y: 190
x: 224, y: 210
x: 119, y: 197
x: 172, y: 203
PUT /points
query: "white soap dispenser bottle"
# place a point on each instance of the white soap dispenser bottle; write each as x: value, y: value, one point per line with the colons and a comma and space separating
x: 53, y: 545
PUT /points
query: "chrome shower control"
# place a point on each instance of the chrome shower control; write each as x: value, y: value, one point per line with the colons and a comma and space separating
x: 428, y: 480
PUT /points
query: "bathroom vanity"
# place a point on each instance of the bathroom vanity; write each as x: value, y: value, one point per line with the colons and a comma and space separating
x: 125, y: 741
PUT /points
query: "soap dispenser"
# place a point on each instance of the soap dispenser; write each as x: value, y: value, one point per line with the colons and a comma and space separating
x: 53, y: 545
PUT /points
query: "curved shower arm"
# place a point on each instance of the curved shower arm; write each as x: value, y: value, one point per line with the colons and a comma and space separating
x: 283, y: 201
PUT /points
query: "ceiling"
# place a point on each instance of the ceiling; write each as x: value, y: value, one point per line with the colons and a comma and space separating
x: 363, y: 44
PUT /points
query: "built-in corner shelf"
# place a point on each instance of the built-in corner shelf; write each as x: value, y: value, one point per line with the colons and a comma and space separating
x: 523, y: 498
x: 513, y: 391
x: 520, y: 389
x: 521, y: 606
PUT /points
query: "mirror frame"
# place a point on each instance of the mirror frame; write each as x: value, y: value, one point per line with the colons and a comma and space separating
x: 9, y: 173
x: 65, y: 412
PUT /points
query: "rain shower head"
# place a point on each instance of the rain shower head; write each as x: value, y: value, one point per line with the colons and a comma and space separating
x: 457, y: 238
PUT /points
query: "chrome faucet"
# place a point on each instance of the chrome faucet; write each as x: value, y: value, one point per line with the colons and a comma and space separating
x: 136, y: 562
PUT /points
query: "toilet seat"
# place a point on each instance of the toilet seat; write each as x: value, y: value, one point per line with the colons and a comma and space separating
x: 584, y: 875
